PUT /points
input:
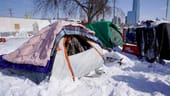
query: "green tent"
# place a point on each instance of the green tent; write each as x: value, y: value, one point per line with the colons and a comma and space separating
x: 107, y: 32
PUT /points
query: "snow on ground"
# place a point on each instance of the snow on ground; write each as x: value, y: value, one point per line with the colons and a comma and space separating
x: 132, y: 78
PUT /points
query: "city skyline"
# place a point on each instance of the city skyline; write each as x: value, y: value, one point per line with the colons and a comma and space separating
x: 150, y: 9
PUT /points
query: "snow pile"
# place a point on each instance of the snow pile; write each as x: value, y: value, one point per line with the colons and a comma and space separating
x: 132, y: 78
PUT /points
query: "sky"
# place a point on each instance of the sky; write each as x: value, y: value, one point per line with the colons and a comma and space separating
x: 149, y: 9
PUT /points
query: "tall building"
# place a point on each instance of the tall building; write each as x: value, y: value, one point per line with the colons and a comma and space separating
x: 133, y: 16
x: 136, y: 9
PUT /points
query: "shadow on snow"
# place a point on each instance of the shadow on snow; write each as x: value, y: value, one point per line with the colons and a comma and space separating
x: 142, y: 84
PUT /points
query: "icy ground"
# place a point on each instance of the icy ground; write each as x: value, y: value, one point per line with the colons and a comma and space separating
x: 132, y: 78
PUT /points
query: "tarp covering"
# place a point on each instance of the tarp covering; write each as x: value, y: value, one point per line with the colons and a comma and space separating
x: 37, y: 50
x: 107, y: 32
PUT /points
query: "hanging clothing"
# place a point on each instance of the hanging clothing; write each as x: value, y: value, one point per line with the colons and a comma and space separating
x: 154, y: 42
x: 163, y: 36
x: 147, y: 43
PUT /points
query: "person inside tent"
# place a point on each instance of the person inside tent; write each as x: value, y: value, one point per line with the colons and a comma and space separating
x: 73, y: 45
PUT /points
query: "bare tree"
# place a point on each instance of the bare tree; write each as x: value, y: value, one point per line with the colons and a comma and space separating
x: 47, y: 6
x: 90, y: 7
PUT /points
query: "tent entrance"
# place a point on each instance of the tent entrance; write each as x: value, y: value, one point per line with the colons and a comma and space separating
x: 75, y: 44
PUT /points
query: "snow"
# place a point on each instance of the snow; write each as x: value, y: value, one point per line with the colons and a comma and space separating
x: 132, y: 78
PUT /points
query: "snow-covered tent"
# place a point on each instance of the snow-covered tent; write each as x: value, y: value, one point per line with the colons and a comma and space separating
x: 62, y: 49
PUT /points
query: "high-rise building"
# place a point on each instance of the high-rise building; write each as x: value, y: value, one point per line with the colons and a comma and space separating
x: 133, y: 16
